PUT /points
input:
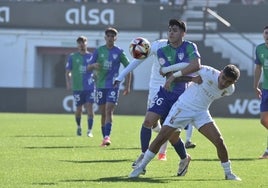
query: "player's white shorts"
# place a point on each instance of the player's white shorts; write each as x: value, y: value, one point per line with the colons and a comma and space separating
x: 180, y: 116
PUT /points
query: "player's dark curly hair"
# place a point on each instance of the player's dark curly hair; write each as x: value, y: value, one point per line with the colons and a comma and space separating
x: 81, y: 38
x: 111, y: 30
x: 179, y: 23
x: 231, y: 71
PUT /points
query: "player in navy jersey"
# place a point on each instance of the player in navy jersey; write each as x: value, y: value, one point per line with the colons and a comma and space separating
x: 178, y: 51
x: 261, y: 68
x: 193, y: 106
x: 105, y: 62
x: 82, y: 83
x: 156, y: 80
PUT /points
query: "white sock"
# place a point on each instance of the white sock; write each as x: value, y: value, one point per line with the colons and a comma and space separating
x: 163, y: 148
x: 148, y: 156
x: 157, y: 128
x: 227, y: 167
x: 189, y: 133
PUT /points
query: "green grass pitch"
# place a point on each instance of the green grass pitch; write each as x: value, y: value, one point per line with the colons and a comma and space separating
x: 42, y: 150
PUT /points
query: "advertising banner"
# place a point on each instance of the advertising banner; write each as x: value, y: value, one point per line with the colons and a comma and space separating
x: 78, y: 16
x: 239, y: 105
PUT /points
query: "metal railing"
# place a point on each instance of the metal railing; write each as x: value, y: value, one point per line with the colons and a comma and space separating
x: 208, y: 11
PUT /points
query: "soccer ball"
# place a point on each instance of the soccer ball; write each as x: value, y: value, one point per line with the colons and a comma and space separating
x: 139, y: 48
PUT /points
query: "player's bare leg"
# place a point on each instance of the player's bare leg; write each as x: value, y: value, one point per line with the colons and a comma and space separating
x: 90, y: 118
x: 109, y: 110
x: 78, y: 114
x: 162, y: 154
x: 161, y: 138
x: 212, y: 133
x: 150, y: 120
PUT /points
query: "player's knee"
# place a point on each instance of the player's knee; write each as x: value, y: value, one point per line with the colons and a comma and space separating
x: 148, y: 123
x: 157, y: 128
x: 264, y: 122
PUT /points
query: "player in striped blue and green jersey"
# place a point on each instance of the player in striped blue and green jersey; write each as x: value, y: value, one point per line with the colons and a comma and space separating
x: 261, y: 68
x: 81, y: 81
x: 105, y: 62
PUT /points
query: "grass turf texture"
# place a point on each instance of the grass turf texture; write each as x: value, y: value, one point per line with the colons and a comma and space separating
x: 42, y: 150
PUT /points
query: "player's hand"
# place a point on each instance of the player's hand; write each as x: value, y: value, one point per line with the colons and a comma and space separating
x: 116, y: 83
x: 258, y: 92
x: 197, y: 79
x: 96, y: 65
x: 161, y: 72
x: 168, y: 82
x: 126, y: 91
x: 93, y: 66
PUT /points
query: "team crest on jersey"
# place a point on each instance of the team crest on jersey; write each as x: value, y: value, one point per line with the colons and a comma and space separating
x: 115, y: 56
x: 161, y: 61
x: 180, y: 56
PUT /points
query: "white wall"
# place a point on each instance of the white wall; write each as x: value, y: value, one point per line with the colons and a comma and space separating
x: 20, y: 62
x: 21, y: 65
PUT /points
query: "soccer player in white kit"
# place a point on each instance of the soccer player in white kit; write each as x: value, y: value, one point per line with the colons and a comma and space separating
x: 193, y: 107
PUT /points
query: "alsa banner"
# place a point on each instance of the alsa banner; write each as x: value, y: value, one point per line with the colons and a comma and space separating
x: 88, y: 16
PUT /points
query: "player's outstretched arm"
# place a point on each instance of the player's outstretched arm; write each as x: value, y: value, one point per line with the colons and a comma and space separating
x: 68, y: 79
x: 128, y: 69
x: 172, y: 68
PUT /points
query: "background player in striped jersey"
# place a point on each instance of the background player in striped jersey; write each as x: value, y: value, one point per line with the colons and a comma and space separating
x: 82, y: 83
x: 105, y: 62
x: 261, y: 67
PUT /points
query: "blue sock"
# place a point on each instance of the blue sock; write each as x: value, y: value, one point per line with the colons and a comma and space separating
x: 78, y: 120
x: 180, y: 149
x: 103, y: 131
x: 90, y: 123
x: 145, y: 137
x: 108, y: 127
